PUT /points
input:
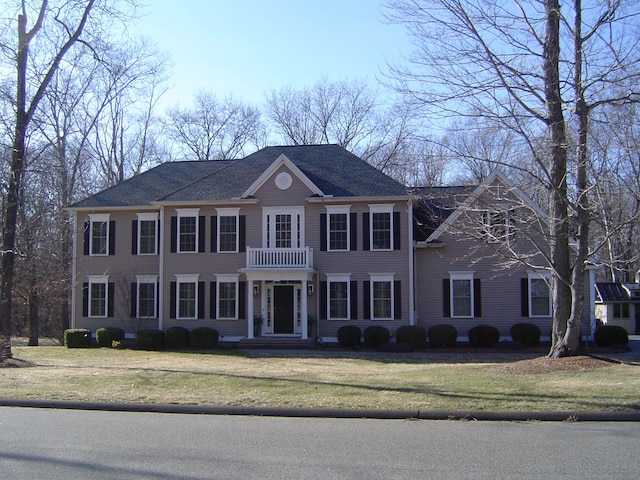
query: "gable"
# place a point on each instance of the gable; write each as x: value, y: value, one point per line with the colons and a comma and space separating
x: 282, y: 173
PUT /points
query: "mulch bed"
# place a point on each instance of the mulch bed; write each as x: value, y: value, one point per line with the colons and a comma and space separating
x: 540, y: 365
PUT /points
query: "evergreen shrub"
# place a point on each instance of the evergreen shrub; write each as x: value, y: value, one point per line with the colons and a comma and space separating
x: 150, y: 339
x: 376, y: 336
x: 412, y: 335
x: 77, y: 338
x: 176, y: 337
x: 526, y: 334
x: 442, y: 336
x: 349, y: 336
x: 484, y: 336
x: 106, y: 336
x: 203, y: 337
x: 611, y: 335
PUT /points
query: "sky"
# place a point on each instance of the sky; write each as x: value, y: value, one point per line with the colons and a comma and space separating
x: 246, y: 48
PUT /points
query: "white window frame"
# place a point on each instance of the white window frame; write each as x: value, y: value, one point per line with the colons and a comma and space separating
x: 338, y: 278
x: 185, y: 279
x: 227, y: 278
x: 99, y: 218
x: 297, y: 226
x: 461, y: 276
x: 147, y: 280
x: 228, y: 212
x: 489, y: 228
x: 381, y: 208
x: 188, y: 213
x: 147, y: 217
x: 546, y: 277
x: 95, y: 280
x: 381, y: 278
x: 338, y: 210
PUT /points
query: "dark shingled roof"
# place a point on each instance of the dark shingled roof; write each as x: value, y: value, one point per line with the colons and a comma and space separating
x: 612, y: 292
x: 333, y: 169
x: 433, y: 205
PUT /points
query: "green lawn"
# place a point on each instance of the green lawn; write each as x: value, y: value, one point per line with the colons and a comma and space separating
x: 328, y: 379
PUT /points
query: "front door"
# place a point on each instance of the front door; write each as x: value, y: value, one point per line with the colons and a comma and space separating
x: 283, y: 309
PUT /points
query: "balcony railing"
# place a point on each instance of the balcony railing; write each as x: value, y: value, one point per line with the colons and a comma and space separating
x: 275, y: 258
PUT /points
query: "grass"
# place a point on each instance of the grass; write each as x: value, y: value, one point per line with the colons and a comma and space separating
x: 416, y: 381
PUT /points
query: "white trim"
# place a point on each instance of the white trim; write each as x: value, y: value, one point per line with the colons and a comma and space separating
x: 546, y: 276
x: 338, y: 210
x: 99, y: 218
x: 460, y: 276
x: 339, y: 278
x: 190, y: 278
x: 268, y: 231
x: 381, y: 278
x: 188, y: 213
x: 102, y: 280
x: 412, y: 307
x: 147, y: 217
x: 162, y: 233
x: 381, y: 208
x: 281, y: 161
x: 228, y: 212
x: 228, y: 278
x: 147, y: 280
x: 74, y: 270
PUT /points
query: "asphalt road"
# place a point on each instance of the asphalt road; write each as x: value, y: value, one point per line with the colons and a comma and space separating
x: 71, y: 444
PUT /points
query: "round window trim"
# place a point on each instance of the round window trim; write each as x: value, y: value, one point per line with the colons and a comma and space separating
x: 283, y: 180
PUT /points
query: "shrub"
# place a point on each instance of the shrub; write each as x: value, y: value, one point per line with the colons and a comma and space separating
x: 412, y: 335
x: 176, y: 337
x: 150, y: 339
x: 349, y: 336
x: 484, y: 336
x: 203, y: 337
x: 106, y: 336
x: 376, y: 336
x: 526, y: 334
x: 77, y: 337
x: 442, y: 336
x: 609, y: 335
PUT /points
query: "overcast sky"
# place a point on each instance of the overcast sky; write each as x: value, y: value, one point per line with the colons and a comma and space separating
x: 248, y: 47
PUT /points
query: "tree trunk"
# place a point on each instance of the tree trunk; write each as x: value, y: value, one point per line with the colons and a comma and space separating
x: 34, y: 320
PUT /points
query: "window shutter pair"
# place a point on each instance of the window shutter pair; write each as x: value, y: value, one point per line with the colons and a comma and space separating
x: 353, y: 232
x: 111, y: 241
x: 324, y: 299
x: 202, y: 233
x: 366, y: 231
x: 173, y: 300
x: 397, y: 300
x: 242, y: 300
x: 446, y: 298
x: 242, y: 233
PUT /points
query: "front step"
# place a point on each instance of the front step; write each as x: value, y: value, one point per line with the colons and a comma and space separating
x: 277, y: 342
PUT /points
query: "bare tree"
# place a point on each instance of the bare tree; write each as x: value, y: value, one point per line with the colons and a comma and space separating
x: 214, y: 129
x: 523, y: 65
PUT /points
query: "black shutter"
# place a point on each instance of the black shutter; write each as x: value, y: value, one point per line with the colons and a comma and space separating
x: 354, y: 300
x: 367, y: 299
x: 134, y: 237
x: 201, y: 300
x: 396, y: 230
x: 446, y: 297
x: 353, y: 226
x: 202, y: 233
x: 85, y: 299
x: 323, y: 232
x: 212, y: 300
x: 112, y: 237
x: 242, y: 233
x: 157, y: 300
x: 111, y: 300
x: 242, y: 300
x: 174, y: 235
x: 214, y: 233
x: 158, y: 239
x: 172, y: 300
x: 323, y: 300
x: 524, y: 297
x: 134, y: 300
x: 87, y: 237
x: 365, y: 231
x: 477, y: 298
x: 397, y: 300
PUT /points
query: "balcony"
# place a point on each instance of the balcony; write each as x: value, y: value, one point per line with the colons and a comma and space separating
x: 279, y: 258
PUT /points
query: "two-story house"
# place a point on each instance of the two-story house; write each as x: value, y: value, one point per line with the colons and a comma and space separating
x: 297, y: 241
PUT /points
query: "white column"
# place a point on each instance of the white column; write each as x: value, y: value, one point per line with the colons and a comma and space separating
x: 303, y: 311
x: 250, y: 309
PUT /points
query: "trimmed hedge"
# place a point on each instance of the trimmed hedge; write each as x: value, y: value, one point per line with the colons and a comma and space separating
x: 106, y: 336
x: 376, y: 336
x: 349, y: 336
x: 150, y: 339
x: 77, y: 338
x: 412, y: 335
x: 176, y: 337
x: 526, y: 334
x: 442, y: 336
x: 203, y: 337
x: 484, y: 336
x: 610, y: 335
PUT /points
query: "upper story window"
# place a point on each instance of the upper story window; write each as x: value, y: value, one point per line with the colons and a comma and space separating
x: 338, y: 228
x: 146, y: 234
x: 228, y: 229
x: 187, y: 231
x: 498, y: 226
x: 283, y: 227
x: 381, y: 226
x: 100, y: 230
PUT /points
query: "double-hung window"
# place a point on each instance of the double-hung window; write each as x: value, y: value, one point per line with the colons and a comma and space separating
x: 99, y: 234
x: 228, y: 229
x: 188, y: 230
x: 338, y: 228
x: 227, y: 304
x: 381, y: 227
x: 338, y: 298
x: 382, y: 297
x: 187, y: 296
x: 98, y: 296
x: 146, y: 296
x: 147, y: 233
x: 461, y: 295
x: 539, y: 295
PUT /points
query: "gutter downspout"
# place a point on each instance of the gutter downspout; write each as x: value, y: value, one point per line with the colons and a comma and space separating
x: 74, y: 269
x: 161, y: 270
x: 412, y: 307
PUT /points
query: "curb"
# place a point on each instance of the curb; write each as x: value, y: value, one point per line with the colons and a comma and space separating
x: 327, y: 412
